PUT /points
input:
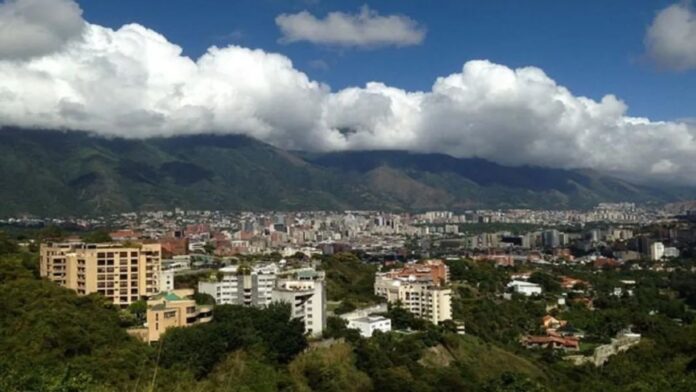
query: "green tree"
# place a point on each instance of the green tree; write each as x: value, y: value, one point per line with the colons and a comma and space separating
x: 97, y: 236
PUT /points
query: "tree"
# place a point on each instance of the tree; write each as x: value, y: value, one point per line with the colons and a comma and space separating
x: 203, y: 299
x: 403, y: 319
x: 457, y: 268
x: 7, y: 245
x: 97, y: 236
x: 209, y: 248
x: 138, y: 309
x: 548, y: 282
x: 51, y: 232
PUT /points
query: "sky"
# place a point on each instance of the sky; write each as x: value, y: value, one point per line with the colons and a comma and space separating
x: 593, y: 47
x: 607, y: 85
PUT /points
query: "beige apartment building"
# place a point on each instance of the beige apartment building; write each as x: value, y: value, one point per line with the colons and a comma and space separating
x: 121, y: 273
x: 169, y: 310
x: 423, y: 299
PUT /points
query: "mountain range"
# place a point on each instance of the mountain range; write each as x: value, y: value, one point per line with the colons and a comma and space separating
x: 51, y: 173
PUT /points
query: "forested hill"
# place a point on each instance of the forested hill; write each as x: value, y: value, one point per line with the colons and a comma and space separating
x: 46, y: 172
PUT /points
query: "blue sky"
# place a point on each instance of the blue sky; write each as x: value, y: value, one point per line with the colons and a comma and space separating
x: 592, y: 47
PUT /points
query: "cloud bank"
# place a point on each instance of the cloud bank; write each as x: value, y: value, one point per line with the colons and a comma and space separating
x: 671, y: 38
x: 132, y: 82
x: 367, y: 29
x: 36, y: 27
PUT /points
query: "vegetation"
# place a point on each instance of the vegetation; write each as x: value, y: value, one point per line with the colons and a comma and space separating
x: 53, y: 340
x: 70, y: 173
x: 349, y: 281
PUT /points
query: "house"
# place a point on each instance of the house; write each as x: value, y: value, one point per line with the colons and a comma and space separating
x: 603, y: 262
x: 525, y: 288
x: 550, y: 322
x: 554, y: 342
x: 568, y: 330
x: 569, y: 283
x: 369, y: 324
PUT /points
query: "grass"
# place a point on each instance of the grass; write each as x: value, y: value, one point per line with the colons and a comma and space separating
x: 482, y: 359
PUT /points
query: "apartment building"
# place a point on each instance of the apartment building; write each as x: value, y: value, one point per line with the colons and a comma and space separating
x: 121, y: 273
x: 261, y: 284
x: 423, y: 299
x: 250, y: 286
x: 171, y: 309
x: 307, y: 300
x: 420, y: 288
x: 166, y: 280
x: 434, y: 271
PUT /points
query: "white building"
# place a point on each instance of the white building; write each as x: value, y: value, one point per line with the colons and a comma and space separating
x: 657, y: 251
x: 524, y: 288
x: 251, y: 286
x: 262, y: 284
x: 307, y: 300
x: 364, y: 312
x: 166, y: 281
x: 671, y: 252
x: 177, y: 263
x: 368, y: 325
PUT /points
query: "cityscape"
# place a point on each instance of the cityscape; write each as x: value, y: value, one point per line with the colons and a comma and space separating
x: 312, y: 195
x: 172, y: 269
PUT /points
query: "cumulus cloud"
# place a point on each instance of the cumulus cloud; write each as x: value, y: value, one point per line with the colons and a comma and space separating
x: 671, y: 38
x: 36, y: 27
x: 132, y: 82
x: 366, y: 29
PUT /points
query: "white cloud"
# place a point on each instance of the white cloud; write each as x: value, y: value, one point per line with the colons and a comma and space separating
x: 366, y: 29
x: 36, y: 27
x: 671, y: 38
x: 133, y: 82
x: 514, y: 116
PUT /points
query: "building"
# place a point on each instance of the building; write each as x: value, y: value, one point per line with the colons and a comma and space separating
x: 262, y: 284
x: 307, y: 300
x: 173, y: 309
x: 435, y: 272
x: 671, y: 252
x: 525, y: 288
x: 369, y: 324
x: 551, y: 238
x: 367, y: 320
x: 423, y: 299
x: 554, y: 342
x: 122, y: 273
x: 250, y: 286
x: 657, y: 251
x: 177, y: 263
x: 166, y: 280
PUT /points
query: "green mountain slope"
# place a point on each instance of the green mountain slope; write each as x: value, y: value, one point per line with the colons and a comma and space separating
x: 60, y: 173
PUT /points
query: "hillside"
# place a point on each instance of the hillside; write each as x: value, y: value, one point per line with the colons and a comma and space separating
x: 57, y: 173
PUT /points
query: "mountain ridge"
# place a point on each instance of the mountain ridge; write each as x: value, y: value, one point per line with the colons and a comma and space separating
x: 47, y: 172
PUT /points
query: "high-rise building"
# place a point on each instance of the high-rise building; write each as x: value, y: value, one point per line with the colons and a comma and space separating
x: 423, y: 299
x: 166, y: 280
x: 122, y: 273
x: 260, y: 285
x: 420, y: 289
x: 551, y: 238
x: 307, y: 300
x: 251, y: 286
x: 657, y: 251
